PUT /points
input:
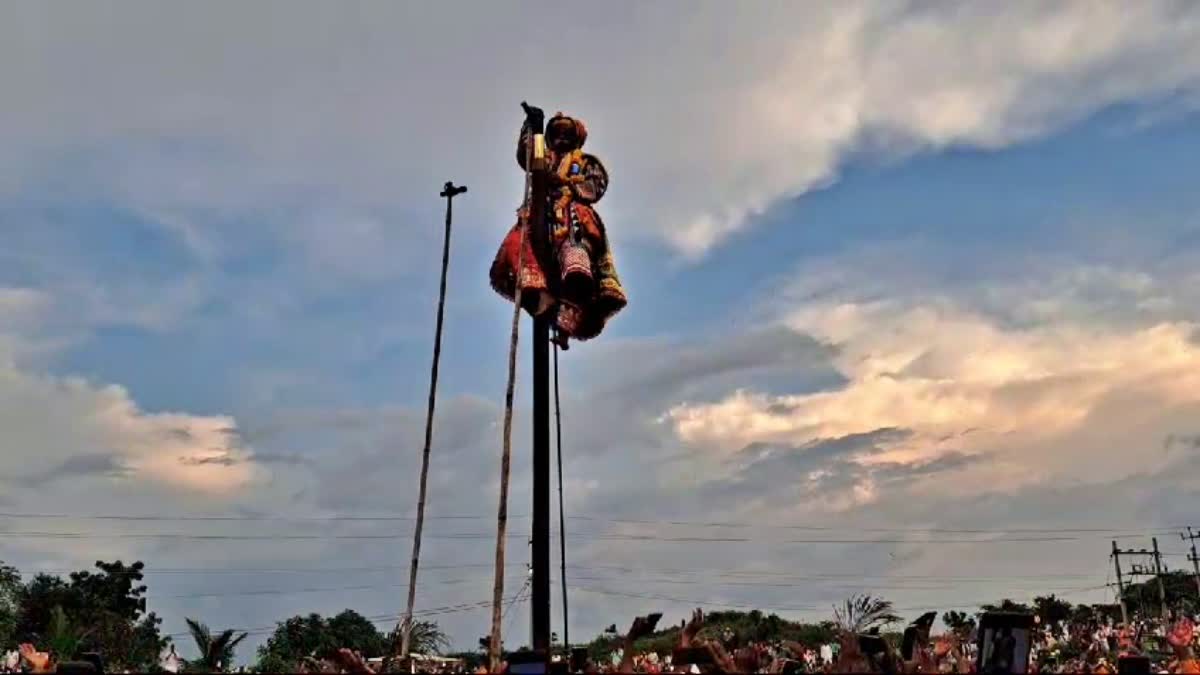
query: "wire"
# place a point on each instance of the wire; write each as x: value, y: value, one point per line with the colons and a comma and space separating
x: 374, y: 618
x: 297, y: 591
x: 1124, y: 531
x: 483, y: 535
x: 236, y: 518
x: 271, y: 570
x: 562, y: 522
x: 798, y: 608
x: 236, y: 537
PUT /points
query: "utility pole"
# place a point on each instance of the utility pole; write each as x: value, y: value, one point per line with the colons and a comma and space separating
x: 1159, y: 570
x: 1116, y: 557
x: 538, y: 230
x: 449, y: 191
x: 1192, y: 537
x: 1156, y: 570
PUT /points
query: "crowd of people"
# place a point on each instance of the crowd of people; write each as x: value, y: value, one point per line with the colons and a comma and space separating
x: 1095, y: 646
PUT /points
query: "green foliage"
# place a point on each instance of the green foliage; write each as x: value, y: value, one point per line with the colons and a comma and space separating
x: 1051, y: 609
x: 319, y: 637
x: 110, y: 602
x: 426, y: 638
x: 733, y: 628
x: 1007, y: 605
x: 959, y: 622
x: 294, y: 639
x: 10, y: 604
x: 861, y: 613
x: 216, y: 652
x: 62, y: 639
x: 1143, y: 597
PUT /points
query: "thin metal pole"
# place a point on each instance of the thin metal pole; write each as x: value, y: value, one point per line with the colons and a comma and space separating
x: 449, y: 192
x: 540, y: 591
x: 562, y: 518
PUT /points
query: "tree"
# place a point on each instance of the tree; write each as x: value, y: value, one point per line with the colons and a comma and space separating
x: 960, y: 623
x: 1052, y: 610
x: 426, y: 638
x: 10, y: 604
x: 1143, y: 598
x: 294, y: 639
x: 860, y: 613
x: 111, y: 603
x: 1007, y: 605
x: 216, y: 652
x: 316, y: 636
x: 62, y: 638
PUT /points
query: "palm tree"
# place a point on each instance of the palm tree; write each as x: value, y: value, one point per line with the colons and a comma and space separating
x: 63, y: 638
x: 861, y: 613
x: 425, y: 638
x: 216, y: 652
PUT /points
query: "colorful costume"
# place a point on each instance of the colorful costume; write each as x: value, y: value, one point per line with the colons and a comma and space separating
x: 579, y: 283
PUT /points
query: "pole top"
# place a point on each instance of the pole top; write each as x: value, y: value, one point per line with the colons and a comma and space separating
x: 451, y: 190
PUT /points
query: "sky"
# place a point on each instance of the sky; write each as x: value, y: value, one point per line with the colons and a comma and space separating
x: 914, y: 301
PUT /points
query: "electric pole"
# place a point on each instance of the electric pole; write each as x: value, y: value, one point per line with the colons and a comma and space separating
x: 1159, y: 570
x: 1116, y: 557
x: 1155, y: 570
x: 540, y: 235
x: 450, y: 191
x: 1192, y: 537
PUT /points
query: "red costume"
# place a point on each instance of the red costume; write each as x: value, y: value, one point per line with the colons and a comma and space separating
x: 585, y: 291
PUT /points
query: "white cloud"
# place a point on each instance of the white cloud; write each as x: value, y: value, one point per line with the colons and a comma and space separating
x: 1050, y: 398
x: 231, y: 113
x: 50, y: 422
x: 65, y: 427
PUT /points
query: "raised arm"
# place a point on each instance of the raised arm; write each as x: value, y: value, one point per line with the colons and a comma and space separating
x: 524, y: 138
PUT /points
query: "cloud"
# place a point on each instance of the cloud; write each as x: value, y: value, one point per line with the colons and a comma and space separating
x: 273, y: 115
x: 1046, y: 379
x: 96, y: 464
x: 60, y: 428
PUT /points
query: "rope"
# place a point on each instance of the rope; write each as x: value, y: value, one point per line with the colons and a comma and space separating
x: 562, y: 522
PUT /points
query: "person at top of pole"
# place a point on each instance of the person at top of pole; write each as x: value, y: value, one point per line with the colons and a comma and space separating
x: 577, y: 283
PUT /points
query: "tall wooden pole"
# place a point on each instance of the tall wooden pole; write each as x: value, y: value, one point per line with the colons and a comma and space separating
x: 449, y: 192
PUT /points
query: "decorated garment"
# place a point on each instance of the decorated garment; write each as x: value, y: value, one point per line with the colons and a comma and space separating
x: 579, y: 285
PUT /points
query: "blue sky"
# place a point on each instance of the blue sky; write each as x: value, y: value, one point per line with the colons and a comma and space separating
x: 869, y: 288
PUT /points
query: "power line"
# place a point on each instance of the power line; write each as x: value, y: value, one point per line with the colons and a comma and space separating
x: 831, y: 528
x: 270, y: 570
x: 484, y: 535
x: 297, y: 591
x: 1108, y: 531
x: 374, y: 618
x: 818, y: 576
x: 799, y: 608
x: 689, y: 571
x: 237, y: 518
x: 792, y: 584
